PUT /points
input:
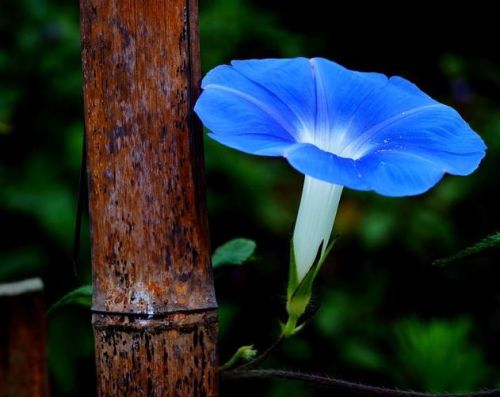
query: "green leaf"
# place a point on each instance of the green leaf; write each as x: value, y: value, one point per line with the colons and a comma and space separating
x: 490, y: 242
x: 234, y: 252
x: 81, y: 296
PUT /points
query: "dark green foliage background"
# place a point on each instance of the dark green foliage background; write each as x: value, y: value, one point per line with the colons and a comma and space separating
x: 385, y: 314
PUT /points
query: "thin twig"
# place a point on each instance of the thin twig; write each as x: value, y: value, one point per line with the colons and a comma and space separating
x: 344, y: 388
x: 82, y: 188
x: 269, y: 350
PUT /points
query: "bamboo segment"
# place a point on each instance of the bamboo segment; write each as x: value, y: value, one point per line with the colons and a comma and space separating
x: 23, y: 362
x: 170, y: 356
x: 154, y: 304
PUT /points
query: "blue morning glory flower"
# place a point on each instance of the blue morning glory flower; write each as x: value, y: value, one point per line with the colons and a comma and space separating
x: 338, y: 127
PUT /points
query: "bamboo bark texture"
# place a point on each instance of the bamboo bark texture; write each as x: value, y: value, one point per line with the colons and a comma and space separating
x: 154, y: 308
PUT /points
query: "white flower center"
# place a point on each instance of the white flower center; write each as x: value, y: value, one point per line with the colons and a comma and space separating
x: 332, y: 142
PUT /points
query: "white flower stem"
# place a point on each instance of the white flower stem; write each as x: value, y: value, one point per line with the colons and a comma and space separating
x: 317, y: 210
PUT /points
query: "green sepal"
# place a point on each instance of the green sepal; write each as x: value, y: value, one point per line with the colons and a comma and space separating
x: 299, y: 293
x: 293, y: 277
x: 244, y: 353
x: 291, y: 328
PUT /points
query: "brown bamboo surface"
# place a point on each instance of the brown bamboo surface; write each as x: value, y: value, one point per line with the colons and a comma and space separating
x: 154, y: 304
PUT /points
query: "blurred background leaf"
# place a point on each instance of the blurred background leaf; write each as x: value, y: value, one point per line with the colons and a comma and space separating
x: 439, y: 355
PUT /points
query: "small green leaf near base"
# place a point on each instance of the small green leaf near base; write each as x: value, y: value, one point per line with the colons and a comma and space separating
x: 234, y: 252
x: 81, y: 296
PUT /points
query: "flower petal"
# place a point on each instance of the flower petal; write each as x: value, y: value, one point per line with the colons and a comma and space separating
x: 387, y: 105
x: 399, y: 174
x: 340, y: 93
x: 291, y: 81
x: 367, y: 109
x: 437, y: 134
x: 325, y: 166
x: 231, y: 105
x: 259, y: 97
x: 402, y: 115
x: 386, y: 172
x: 259, y: 144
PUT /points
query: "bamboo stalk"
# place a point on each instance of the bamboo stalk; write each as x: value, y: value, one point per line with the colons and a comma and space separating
x: 23, y: 362
x: 154, y: 306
